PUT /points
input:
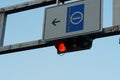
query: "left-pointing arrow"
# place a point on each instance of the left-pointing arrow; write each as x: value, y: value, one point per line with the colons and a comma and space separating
x: 55, y: 21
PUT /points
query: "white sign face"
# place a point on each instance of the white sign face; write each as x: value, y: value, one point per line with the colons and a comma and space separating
x: 72, y: 19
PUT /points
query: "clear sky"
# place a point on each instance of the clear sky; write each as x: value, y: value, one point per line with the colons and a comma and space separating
x: 101, y: 62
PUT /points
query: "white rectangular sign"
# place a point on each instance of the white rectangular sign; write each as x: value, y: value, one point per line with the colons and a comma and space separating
x: 72, y: 19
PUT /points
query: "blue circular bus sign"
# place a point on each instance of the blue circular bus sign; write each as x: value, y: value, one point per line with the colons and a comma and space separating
x: 76, y: 18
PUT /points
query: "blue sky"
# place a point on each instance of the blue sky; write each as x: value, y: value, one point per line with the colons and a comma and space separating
x: 101, y: 62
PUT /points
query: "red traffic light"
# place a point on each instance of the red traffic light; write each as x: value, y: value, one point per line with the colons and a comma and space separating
x: 60, y: 46
x: 73, y: 44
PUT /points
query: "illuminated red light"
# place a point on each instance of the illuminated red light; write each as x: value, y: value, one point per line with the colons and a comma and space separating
x: 62, y: 48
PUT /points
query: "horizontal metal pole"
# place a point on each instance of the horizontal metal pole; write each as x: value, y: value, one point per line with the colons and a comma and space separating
x: 106, y: 32
x: 24, y: 46
x: 27, y: 6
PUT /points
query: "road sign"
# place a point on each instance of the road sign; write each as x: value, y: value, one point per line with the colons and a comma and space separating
x: 75, y: 18
x: 72, y: 19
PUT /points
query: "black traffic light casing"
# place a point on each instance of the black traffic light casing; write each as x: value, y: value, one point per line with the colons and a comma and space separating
x: 74, y: 44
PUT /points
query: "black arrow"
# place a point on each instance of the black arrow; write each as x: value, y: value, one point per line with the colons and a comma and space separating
x: 55, y: 21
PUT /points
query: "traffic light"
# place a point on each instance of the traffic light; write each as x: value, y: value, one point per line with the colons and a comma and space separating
x: 73, y: 44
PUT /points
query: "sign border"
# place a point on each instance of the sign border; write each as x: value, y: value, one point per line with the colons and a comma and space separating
x: 81, y: 34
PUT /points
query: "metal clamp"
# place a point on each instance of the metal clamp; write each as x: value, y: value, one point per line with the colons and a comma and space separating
x: 57, y: 2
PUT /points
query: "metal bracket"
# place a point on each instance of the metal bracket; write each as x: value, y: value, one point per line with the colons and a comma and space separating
x: 3, y: 17
x: 58, y: 2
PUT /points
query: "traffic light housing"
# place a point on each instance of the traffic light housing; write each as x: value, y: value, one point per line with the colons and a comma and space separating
x: 73, y: 44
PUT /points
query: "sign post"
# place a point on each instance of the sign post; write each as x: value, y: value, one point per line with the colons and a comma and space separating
x: 72, y: 19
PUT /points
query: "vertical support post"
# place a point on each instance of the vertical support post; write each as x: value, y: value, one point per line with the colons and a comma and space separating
x: 3, y: 18
x: 116, y: 12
